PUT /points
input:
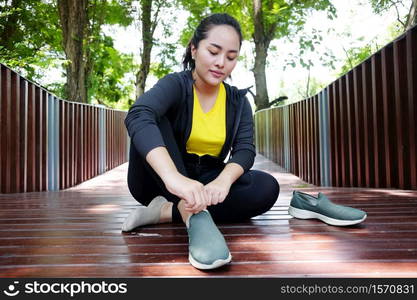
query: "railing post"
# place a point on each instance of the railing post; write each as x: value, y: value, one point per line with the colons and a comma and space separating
x: 267, y: 133
x: 53, y: 144
x: 128, y: 141
x: 286, y: 127
x: 5, y: 107
x: 23, y: 144
x: 102, y: 140
x: 256, y: 139
x: 411, y: 62
x: 324, y: 134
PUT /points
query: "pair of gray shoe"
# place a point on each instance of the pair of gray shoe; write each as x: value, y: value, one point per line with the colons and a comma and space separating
x: 208, y: 249
x: 306, y: 206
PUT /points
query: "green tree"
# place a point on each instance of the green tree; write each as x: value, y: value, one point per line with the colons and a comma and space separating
x: 105, y: 66
x: 150, y: 15
x: 262, y: 21
x: 29, y: 35
x: 107, y: 84
x: 39, y: 35
x: 74, y: 19
x: 81, y: 23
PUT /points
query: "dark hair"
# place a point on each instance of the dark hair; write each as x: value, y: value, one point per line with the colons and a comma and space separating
x: 201, y: 33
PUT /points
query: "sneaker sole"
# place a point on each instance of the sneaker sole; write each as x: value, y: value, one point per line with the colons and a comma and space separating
x: 306, y: 214
x: 218, y: 263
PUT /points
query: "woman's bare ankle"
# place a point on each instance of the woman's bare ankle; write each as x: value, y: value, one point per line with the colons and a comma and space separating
x: 184, y: 213
x: 166, y: 213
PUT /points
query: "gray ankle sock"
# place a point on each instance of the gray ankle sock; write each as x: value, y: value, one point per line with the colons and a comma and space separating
x: 144, y: 215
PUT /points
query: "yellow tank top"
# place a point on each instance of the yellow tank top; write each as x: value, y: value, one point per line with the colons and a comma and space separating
x: 208, y: 131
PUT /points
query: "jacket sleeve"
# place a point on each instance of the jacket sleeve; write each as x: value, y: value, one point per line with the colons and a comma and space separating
x: 142, y: 118
x: 243, y: 149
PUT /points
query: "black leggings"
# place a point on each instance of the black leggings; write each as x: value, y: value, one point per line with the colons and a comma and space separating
x: 252, y: 194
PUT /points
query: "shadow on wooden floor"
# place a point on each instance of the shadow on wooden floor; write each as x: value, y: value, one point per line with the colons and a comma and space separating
x: 76, y: 233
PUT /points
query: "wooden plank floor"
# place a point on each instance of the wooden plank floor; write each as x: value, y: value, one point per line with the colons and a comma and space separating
x: 76, y: 233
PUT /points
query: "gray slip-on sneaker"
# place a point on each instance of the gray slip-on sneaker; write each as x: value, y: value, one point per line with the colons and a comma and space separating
x: 207, y: 246
x: 305, y: 206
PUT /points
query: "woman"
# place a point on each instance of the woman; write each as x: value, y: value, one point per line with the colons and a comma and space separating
x: 182, y: 131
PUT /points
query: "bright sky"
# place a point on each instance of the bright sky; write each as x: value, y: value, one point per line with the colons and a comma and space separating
x: 353, y: 16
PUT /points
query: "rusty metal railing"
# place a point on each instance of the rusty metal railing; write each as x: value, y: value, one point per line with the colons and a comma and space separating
x: 51, y: 144
x: 360, y: 131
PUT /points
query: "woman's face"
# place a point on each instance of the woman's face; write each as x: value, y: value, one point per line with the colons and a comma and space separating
x: 216, y: 56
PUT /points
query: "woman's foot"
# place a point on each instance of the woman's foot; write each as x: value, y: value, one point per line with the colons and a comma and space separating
x: 158, y: 211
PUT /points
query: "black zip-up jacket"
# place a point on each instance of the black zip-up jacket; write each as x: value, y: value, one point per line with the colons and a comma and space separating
x: 172, y: 96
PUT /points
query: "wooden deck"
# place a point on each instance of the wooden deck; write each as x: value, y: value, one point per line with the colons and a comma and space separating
x: 76, y: 233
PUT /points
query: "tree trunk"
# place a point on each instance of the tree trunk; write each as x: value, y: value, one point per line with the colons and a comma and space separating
x: 94, y: 21
x: 73, y: 19
x: 261, y: 52
x: 148, y: 28
x: 412, y: 16
x: 308, y: 84
x: 261, y: 97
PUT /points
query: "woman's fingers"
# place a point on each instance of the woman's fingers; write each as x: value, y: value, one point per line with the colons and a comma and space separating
x: 221, y: 197
x: 213, y: 198
x: 197, y: 196
x: 191, y: 191
x: 201, y: 200
x: 214, y: 194
x: 216, y: 198
x: 196, y: 200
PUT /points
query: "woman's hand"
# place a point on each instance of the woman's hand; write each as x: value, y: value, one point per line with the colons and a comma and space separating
x: 216, y: 191
x: 219, y: 188
x: 190, y: 190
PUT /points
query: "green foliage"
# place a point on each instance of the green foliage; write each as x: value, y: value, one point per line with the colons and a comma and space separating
x: 167, y: 51
x: 381, y: 6
x: 201, y: 8
x: 107, y: 82
x: 167, y: 60
x: 29, y: 36
x: 355, y: 56
x: 310, y: 45
x: 292, y: 19
x: 394, y: 30
x: 117, y: 12
x: 310, y: 42
x: 280, y: 18
x: 57, y: 88
x: 106, y: 78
